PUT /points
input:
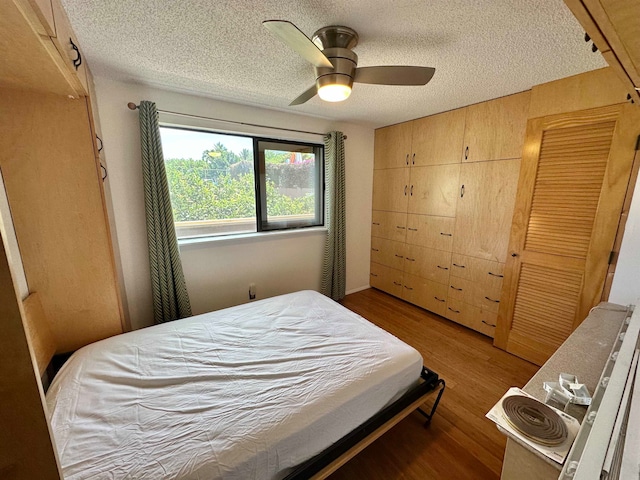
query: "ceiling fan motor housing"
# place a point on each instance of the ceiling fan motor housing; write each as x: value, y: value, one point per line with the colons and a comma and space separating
x: 344, y: 68
x: 336, y: 43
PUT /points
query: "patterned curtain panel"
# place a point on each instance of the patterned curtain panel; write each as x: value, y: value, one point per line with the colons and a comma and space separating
x: 170, y: 298
x: 334, y: 268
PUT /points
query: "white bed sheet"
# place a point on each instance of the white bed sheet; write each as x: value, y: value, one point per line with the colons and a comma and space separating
x: 242, y: 393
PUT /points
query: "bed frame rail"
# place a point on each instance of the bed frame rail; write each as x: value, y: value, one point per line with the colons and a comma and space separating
x: 327, y: 462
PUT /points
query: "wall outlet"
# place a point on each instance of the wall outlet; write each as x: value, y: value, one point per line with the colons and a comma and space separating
x: 252, y: 291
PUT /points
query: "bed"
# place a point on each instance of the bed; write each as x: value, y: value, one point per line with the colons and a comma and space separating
x: 287, y: 387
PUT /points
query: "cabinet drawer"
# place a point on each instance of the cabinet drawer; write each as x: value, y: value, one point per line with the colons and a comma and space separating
x: 477, y: 270
x: 427, y: 263
x: 390, y: 225
x: 430, y: 231
x: 386, y: 279
x: 67, y: 45
x: 387, y: 252
x: 425, y: 293
x: 474, y: 293
x: 473, y: 317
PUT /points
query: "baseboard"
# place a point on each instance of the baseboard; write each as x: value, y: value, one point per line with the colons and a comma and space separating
x: 354, y: 290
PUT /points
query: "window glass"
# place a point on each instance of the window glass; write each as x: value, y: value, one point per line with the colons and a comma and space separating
x: 211, y: 182
x: 215, y: 190
x: 291, y: 183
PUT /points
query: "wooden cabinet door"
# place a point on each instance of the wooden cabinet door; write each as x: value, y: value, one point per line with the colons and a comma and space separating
x: 392, y: 146
x: 391, y: 189
x: 485, y: 208
x: 618, y: 21
x: 570, y: 194
x: 494, y: 130
x: 437, y: 140
x: 69, y: 49
x: 434, y: 190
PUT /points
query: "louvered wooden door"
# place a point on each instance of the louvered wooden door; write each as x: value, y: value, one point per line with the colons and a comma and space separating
x: 574, y: 174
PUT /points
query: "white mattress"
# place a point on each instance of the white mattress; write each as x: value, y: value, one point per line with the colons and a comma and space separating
x: 243, y: 393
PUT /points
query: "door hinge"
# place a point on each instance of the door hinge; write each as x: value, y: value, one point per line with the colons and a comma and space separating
x: 612, y: 257
x: 638, y: 143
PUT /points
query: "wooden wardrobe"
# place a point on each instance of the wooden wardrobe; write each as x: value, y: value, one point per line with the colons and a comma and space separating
x: 443, y: 194
x: 50, y: 161
x: 53, y: 165
x: 457, y: 215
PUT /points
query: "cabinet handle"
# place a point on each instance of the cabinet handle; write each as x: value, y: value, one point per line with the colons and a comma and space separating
x: 101, y: 144
x: 487, y: 323
x: 399, y: 256
x: 410, y: 259
x: 104, y: 170
x: 442, y: 268
x: 492, y: 300
x: 373, y: 274
x: 459, y: 266
x: 454, y: 311
x: 439, y: 299
x: 407, y: 159
x: 398, y: 226
x: 413, y: 159
x: 397, y: 283
x: 412, y: 229
x: 496, y: 275
x: 78, y: 60
x: 466, y: 153
x: 462, y: 191
x: 514, y: 254
x: 446, y: 234
x: 455, y: 288
x: 408, y: 288
x: 411, y: 192
x: 405, y: 190
x: 375, y: 249
x: 375, y: 223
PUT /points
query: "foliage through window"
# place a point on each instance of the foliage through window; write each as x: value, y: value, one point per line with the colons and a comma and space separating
x: 215, y: 190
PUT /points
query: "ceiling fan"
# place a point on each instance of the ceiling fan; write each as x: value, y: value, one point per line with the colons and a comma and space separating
x: 336, y: 65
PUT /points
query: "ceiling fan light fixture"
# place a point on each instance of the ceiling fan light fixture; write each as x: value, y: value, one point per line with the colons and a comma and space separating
x: 334, y: 87
x: 334, y: 92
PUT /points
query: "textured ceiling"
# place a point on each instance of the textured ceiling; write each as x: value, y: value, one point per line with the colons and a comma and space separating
x: 481, y: 49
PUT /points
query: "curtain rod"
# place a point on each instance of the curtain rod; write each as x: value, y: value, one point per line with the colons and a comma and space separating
x: 133, y: 106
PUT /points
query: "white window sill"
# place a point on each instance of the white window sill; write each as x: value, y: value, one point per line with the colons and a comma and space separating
x: 250, y: 237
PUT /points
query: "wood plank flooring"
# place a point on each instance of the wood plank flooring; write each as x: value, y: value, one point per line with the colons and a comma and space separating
x: 460, y: 443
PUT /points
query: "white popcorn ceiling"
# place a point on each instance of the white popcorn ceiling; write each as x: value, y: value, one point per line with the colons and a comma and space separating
x: 481, y: 49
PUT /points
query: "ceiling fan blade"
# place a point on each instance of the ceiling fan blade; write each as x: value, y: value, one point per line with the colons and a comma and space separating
x: 394, y: 75
x: 305, y: 97
x: 292, y: 36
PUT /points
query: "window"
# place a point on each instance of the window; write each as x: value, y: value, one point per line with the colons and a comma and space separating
x: 224, y: 184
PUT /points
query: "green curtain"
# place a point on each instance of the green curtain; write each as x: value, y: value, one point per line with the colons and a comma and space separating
x: 334, y: 268
x: 170, y: 297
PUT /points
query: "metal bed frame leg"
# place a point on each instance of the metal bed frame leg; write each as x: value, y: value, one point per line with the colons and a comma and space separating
x: 435, y: 404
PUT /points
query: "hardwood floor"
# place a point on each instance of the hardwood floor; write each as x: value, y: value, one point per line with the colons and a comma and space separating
x: 460, y: 443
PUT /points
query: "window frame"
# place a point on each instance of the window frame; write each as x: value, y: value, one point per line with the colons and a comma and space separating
x: 259, y: 175
x: 263, y: 224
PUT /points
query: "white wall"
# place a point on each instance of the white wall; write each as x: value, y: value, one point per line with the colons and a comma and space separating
x: 218, y: 273
x: 626, y: 281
